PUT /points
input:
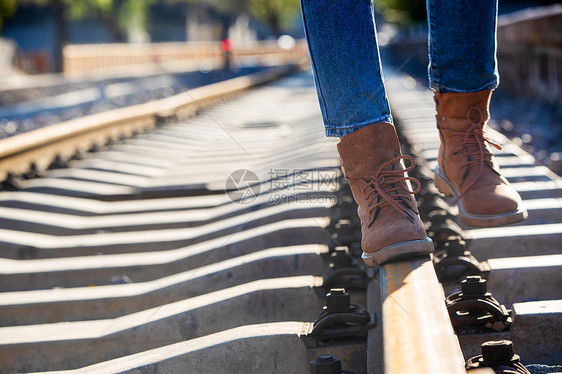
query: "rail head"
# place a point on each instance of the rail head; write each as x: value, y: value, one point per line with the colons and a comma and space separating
x: 418, y: 335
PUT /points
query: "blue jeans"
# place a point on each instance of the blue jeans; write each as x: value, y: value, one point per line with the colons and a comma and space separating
x: 346, y: 63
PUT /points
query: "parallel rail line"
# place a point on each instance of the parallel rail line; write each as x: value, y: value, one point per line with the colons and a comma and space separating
x: 39, y: 148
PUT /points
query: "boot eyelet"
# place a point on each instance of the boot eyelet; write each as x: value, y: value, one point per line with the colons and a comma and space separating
x: 443, y: 118
x: 350, y: 168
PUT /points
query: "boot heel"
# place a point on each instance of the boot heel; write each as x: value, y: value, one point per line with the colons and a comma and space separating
x: 443, y: 186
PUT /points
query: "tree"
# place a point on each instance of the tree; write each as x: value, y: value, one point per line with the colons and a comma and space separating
x: 277, y: 14
x: 402, y: 11
x: 228, y: 10
x: 119, y: 16
x: 7, y: 8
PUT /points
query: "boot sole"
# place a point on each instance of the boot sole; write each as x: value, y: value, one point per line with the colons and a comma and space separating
x: 398, y: 251
x: 477, y: 220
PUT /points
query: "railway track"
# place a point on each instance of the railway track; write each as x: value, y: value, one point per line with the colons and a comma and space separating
x: 38, y: 150
x: 44, y: 106
x: 212, y: 243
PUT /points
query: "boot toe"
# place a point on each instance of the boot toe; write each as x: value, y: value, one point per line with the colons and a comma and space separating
x: 491, y: 200
x: 389, y: 231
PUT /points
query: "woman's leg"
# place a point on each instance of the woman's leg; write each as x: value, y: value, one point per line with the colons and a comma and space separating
x: 345, y: 59
x: 462, y: 45
x: 346, y: 64
x: 463, y: 73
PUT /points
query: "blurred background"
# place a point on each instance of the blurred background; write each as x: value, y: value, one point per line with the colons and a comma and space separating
x: 45, y: 32
x: 114, y: 53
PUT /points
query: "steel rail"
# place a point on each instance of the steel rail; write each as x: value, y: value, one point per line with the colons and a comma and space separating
x: 418, y: 335
x: 39, y: 148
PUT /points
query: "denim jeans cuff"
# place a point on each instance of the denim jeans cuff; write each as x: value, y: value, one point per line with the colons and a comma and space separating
x: 442, y: 89
x: 341, y: 131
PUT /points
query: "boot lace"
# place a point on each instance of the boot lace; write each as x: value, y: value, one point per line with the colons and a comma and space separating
x: 474, y: 146
x: 386, y: 189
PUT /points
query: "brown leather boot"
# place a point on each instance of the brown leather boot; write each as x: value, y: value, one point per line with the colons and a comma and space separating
x: 466, y: 168
x: 390, y: 225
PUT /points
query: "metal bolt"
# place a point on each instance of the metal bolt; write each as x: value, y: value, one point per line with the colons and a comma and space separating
x: 325, y: 364
x: 474, y: 285
x: 337, y: 300
x: 496, y: 351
